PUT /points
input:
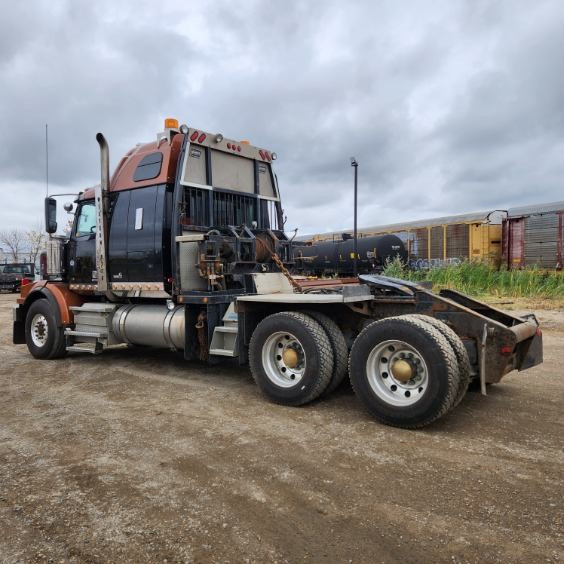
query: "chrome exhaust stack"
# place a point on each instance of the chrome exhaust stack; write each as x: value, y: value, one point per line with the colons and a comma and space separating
x: 101, y: 199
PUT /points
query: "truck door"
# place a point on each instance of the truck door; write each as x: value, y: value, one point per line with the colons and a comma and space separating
x: 136, y: 235
x: 141, y: 261
x: 117, y: 245
x: 82, y: 246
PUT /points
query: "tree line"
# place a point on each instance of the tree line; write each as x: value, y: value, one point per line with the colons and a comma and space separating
x: 22, y: 245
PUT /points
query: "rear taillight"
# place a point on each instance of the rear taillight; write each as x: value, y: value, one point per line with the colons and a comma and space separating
x: 194, y: 136
x: 202, y: 138
x: 506, y: 349
x: 26, y: 281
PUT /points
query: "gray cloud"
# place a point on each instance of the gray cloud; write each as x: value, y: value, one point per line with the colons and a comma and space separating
x: 448, y: 107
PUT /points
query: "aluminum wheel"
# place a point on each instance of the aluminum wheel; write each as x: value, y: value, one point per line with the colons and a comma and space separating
x: 283, y: 359
x: 397, y: 373
x: 39, y: 330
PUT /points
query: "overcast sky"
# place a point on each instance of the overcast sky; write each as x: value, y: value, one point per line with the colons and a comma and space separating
x: 449, y: 106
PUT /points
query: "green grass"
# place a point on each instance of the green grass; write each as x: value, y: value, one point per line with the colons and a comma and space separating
x: 478, y: 279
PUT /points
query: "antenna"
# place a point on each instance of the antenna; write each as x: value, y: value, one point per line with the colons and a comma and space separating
x: 47, y: 160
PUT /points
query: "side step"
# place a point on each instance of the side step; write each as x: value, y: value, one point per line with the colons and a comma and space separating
x: 225, y: 338
x: 223, y: 352
x: 92, y: 348
x: 92, y: 331
x: 90, y: 334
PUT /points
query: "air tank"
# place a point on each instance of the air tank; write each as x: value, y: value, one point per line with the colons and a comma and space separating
x: 336, y: 257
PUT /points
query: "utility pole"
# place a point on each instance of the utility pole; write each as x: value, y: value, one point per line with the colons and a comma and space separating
x: 354, y: 164
x: 47, y: 160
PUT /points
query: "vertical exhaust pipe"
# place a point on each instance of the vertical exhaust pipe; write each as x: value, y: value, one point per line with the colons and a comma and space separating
x: 101, y: 199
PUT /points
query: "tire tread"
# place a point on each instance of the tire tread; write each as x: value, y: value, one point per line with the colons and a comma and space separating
x: 325, y: 354
x: 448, y: 356
x: 339, y: 347
x: 464, y: 368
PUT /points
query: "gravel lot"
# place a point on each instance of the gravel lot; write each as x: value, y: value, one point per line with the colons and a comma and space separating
x: 138, y: 456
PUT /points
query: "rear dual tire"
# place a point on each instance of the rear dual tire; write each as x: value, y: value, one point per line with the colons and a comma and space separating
x: 464, y: 368
x: 404, y: 371
x: 291, y: 358
x: 338, y: 346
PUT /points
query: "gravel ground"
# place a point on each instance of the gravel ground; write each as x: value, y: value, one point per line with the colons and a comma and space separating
x: 138, y: 456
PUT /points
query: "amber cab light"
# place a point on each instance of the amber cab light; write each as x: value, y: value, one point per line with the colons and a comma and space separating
x: 171, y: 123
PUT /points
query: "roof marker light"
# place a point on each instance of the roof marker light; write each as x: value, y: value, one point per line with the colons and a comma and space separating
x: 245, y: 142
x: 229, y: 145
x: 171, y: 123
x: 219, y: 138
x: 239, y: 148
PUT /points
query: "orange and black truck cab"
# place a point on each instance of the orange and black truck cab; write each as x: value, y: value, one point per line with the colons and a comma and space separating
x: 184, y: 184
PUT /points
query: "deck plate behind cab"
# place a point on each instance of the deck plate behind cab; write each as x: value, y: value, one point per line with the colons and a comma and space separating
x: 308, y: 298
x: 275, y: 288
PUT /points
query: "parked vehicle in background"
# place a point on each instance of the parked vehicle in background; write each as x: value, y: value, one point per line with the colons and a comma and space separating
x: 11, y: 275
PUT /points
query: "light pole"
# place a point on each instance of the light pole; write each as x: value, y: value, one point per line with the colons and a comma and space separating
x: 354, y: 164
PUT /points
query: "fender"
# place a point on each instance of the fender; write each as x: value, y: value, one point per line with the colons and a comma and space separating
x: 56, y: 293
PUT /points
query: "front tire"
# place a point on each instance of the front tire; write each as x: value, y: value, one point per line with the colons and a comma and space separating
x: 404, y: 372
x: 290, y: 357
x: 43, y: 338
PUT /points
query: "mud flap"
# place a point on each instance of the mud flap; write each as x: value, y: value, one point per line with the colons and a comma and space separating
x: 18, y: 336
x: 533, y: 353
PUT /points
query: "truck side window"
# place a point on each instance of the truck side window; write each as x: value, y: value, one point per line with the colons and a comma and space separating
x: 86, y: 223
x: 149, y: 167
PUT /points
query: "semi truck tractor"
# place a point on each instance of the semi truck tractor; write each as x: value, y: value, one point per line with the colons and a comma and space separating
x: 183, y: 248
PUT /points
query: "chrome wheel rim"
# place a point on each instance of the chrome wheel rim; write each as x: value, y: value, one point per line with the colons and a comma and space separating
x: 397, y: 373
x: 39, y: 330
x: 283, y: 359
